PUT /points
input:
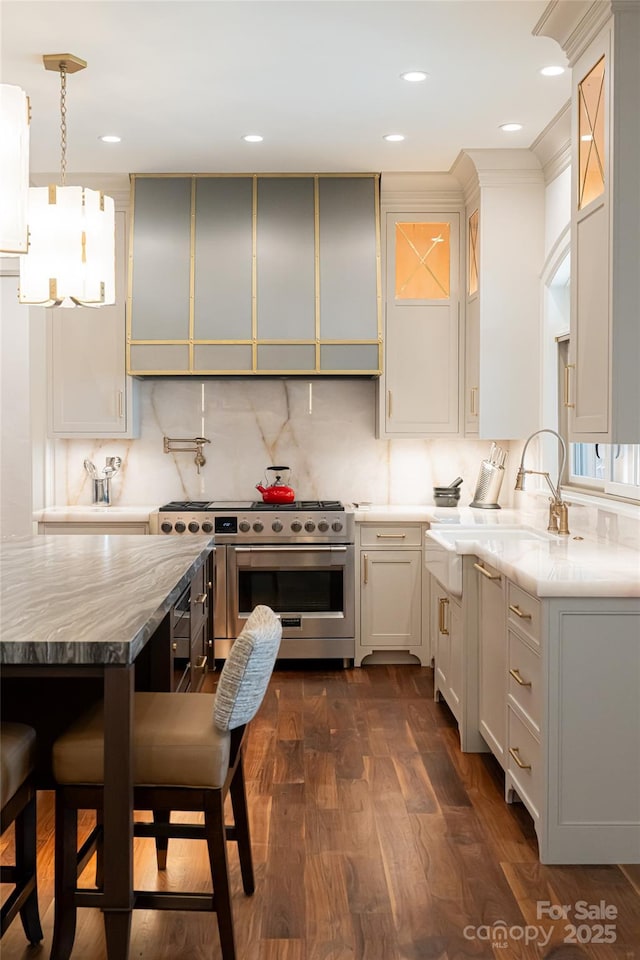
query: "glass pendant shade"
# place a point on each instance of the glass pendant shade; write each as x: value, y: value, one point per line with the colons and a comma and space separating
x: 71, y: 259
x: 14, y: 169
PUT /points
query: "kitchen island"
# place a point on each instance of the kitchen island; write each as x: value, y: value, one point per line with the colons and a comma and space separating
x: 81, y: 609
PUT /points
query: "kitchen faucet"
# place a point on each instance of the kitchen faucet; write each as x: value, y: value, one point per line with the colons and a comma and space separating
x: 558, y: 509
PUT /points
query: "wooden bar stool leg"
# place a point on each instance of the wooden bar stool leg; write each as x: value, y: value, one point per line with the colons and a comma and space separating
x: 238, y: 793
x: 100, y: 852
x: 64, y: 925
x: 26, y: 845
x: 217, y: 846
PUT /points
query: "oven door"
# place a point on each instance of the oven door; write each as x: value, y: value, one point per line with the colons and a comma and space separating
x: 310, y: 587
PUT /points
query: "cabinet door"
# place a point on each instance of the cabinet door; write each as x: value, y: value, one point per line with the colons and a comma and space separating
x: 421, y: 329
x: 390, y: 598
x: 90, y: 394
x: 448, y: 649
x: 492, y: 696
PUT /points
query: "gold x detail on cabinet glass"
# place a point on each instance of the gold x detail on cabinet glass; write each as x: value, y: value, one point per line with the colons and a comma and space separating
x: 473, y: 253
x: 423, y: 259
x: 591, y: 127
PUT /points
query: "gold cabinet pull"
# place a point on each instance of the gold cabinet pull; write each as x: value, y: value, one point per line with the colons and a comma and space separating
x: 515, y: 673
x: 391, y: 536
x: 174, y: 647
x: 568, y: 367
x: 365, y: 578
x: 201, y: 598
x: 473, y: 410
x: 515, y: 751
x: 120, y: 404
x: 201, y: 662
x: 389, y: 404
x: 485, y: 572
x: 441, y: 616
x: 518, y: 612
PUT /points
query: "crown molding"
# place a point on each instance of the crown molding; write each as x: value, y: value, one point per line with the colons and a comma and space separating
x: 553, y: 146
x: 411, y: 190
x: 496, y: 168
x: 574, y: 23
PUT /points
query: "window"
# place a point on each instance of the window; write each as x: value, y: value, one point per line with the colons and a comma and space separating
x: 611, y: 467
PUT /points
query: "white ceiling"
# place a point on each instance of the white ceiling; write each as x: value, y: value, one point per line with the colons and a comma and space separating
x: 182, y: 80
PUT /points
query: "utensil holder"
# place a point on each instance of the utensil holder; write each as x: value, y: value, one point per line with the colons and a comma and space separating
x: 488, y: 486
x: 102, y: 491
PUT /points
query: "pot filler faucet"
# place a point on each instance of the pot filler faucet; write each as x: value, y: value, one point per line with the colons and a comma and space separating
x: 558, y: 509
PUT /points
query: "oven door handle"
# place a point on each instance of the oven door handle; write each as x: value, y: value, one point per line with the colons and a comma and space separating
x: 293, y: 548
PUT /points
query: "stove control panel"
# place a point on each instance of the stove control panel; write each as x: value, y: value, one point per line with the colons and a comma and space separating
x: 255, y: 527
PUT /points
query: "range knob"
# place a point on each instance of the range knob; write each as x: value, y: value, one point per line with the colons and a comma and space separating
x: 194, y: 527
x: 323, y: 526
x: 258, y: 526
x: 180, y: 526
x: 296, y: 526
x: 166, y: 526
x: 207, y: 526
x: 245, y: 526
x: 309, y: 526
x: 276, y: 526
x: 337, y: 526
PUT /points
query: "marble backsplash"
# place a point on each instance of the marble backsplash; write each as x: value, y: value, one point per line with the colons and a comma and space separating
x: 325, y: 432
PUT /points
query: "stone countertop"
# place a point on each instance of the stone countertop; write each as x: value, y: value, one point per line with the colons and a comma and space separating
x: 90, y: 599
x: 559, y: 566
x: 421, y: 513
x: 94, y: 514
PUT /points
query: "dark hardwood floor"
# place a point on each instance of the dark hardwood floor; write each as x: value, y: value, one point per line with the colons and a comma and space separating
x: 374, y: 838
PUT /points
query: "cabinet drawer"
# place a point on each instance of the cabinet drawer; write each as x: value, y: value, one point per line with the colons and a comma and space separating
x: 390, y: 535
x: 524, y: 763
x: 524, y: 679
x: 523, y: 612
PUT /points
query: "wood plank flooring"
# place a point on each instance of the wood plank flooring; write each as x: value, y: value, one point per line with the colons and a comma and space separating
x: 374, y: 838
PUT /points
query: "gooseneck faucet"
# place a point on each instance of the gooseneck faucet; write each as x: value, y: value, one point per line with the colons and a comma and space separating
x: 558, y: 509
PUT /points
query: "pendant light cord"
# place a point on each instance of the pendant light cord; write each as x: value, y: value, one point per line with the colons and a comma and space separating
x: 63, y: 124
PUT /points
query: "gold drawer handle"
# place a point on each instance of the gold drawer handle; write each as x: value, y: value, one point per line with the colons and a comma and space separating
x: 441, y: 624
x: 391, y: 536
x: 201, y: 598
x: 518, y: 679
x: 518, y: 612
x: 174, y: 647
x: 514, y: 751
x: 485, y: 572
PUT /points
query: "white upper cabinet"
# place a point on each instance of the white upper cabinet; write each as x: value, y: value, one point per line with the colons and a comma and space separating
x: 602, y: 43
x: 419, y: 391
x: 90, y: 394
x: 504, y: 243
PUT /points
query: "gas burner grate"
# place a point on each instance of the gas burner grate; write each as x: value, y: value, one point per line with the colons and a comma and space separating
x: 299, y: 505
x: 183, y: 505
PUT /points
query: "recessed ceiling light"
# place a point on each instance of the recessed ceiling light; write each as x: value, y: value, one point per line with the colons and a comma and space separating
x: 414, y: 76
x: 253, y: 138
x: 393, y: 137
x: 552, y: 71
x: 110, y: 138
x: 510, y: 127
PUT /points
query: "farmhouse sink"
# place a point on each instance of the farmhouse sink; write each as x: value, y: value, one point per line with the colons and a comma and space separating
x: 443, y: 549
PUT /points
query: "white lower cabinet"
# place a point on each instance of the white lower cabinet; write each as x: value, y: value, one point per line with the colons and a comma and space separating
x: 390, y: 593
x: 448, y: 652
x: 492, y: 659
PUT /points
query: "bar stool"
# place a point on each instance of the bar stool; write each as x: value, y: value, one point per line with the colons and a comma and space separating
x: 18, y: 796
x: 187, y: 750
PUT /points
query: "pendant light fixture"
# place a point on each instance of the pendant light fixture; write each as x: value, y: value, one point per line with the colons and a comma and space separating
x: 71, y: 258
x: 14, y: 169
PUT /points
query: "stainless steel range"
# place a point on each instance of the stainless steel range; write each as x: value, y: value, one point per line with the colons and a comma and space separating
x: 298, y: 558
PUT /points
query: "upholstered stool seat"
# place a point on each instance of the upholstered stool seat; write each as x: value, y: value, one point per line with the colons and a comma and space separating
x: 175, y: 743
x: 187, y: 755
x: 18, y: 796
